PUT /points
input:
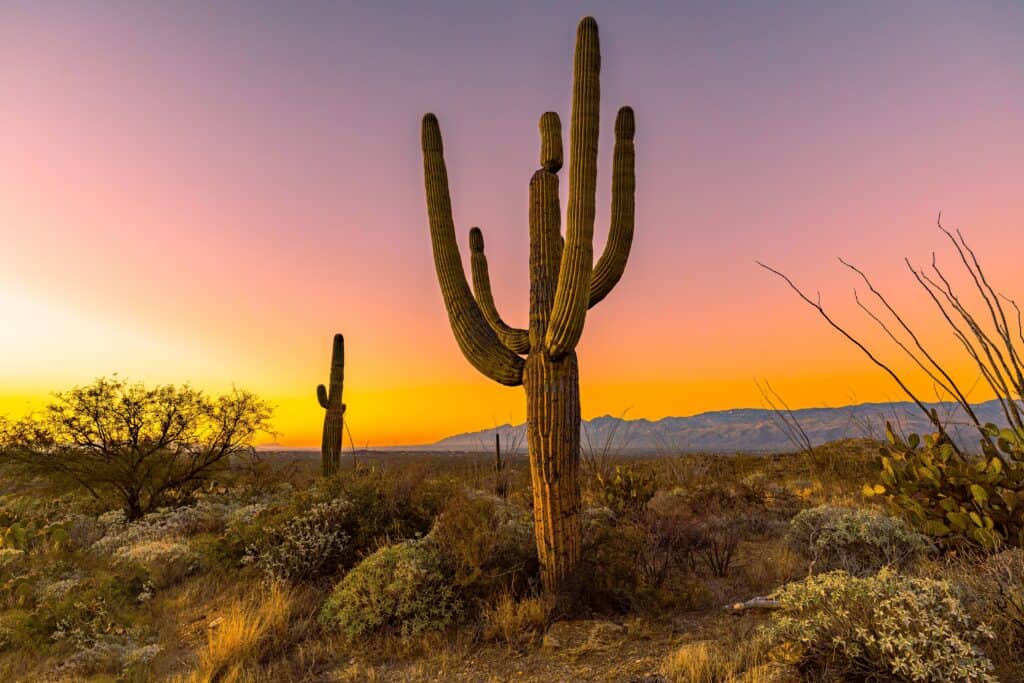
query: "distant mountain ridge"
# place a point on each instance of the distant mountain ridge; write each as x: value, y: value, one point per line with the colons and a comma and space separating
x: 741, y: 430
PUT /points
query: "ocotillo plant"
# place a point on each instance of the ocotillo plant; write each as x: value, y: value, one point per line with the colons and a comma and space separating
x: 334, y: 417
x: 564, y: 284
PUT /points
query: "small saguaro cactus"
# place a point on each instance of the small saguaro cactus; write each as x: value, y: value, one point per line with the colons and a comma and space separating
x: 564, y: 284
x: 334, y: 417
x: 501, y: 482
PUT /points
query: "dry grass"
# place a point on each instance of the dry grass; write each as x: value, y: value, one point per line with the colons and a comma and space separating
x: 708, y: 661
x: 248, y: 630
x: 516, y: 623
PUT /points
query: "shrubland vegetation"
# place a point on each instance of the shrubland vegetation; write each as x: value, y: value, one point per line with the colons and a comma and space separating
x: 408, y: 567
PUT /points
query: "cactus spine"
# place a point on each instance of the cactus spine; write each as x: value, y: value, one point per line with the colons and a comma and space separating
x: 334, y: 416
x: 564, y: 284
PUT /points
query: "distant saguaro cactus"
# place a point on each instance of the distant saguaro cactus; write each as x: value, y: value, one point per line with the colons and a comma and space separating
x: 334, y: 417
x: 501, y: 482
x: 564, y: 284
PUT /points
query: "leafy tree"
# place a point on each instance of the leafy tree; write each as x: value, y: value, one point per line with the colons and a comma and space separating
x: 143, y: 447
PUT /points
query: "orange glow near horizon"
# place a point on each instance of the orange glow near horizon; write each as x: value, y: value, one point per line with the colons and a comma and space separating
x: 207, y: 194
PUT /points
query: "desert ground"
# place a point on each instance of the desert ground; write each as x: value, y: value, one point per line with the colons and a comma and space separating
x: 422, y: 567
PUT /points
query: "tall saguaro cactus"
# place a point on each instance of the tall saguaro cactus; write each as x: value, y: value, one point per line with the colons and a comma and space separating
x: 334, y: 417
x: 564, y: 284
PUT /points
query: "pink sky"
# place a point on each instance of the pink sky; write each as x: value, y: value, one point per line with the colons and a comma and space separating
x: 202, y: 194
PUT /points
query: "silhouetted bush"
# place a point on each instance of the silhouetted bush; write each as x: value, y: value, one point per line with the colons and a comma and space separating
x: 136, y: 447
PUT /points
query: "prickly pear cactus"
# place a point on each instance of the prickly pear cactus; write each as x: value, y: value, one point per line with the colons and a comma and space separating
x: 953, y: 496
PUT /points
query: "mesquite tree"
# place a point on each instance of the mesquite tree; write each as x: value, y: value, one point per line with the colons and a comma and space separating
x: 137, y: 446
x: 334, y: 415
x: 564, y: 284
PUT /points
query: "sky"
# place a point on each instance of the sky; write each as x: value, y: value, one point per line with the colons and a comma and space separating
x: 207, y: 192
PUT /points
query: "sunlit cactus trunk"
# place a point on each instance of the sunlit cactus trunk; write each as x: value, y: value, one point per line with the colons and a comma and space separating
x: 553, y: 437
x: 334, y: 417
x: 564, y: 283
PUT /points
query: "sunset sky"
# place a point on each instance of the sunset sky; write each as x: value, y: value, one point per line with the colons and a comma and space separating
x: 207, y: 192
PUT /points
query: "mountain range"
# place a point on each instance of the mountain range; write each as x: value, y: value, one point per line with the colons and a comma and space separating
x: 740, y: 430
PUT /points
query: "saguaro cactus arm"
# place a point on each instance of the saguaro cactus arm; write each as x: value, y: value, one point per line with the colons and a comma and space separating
x: 331, y: 397
x: 478, y: 342
x: 545, y: 252
x: 612, y: 263
x: 550, y: 142
x: 572, y: 298
x: 516, y: 340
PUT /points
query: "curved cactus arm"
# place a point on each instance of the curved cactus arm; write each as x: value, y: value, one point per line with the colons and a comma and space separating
x: 321, y: 395
x: 612, y: 263
x: 479, y: 343
x: 572, y: 298
x: 515, y: 339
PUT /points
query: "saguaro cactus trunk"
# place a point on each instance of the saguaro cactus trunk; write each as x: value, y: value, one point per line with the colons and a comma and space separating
x: 564, y: 284
x: 334, y: 417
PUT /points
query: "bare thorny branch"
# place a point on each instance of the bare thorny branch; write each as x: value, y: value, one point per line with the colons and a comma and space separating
x: 996, y: 356
x: 785, y: 419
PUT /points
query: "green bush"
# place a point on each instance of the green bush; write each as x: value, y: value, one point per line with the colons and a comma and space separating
x: 882, y: 627
x: 488, y: 546
x: 858, y: 541
x: 954, y: 496
x: 390, y: 503
x: 400, y: 589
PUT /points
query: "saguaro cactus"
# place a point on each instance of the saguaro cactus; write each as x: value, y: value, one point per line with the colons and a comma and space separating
x: 564, y: 284
x: 334, y: 417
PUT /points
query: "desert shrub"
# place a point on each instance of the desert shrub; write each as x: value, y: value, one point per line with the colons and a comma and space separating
x: 627, y: 488
x: 401, y: 589
x: 642, y: 562
x: 393, y: 504
x: 993, y: 593
x: 165, y: 562
x: 858, y: 541
x: 88, y: 610
x: 515, y: 622
x: 487, y: 545
x: 958, y: 497
x: 160, y: 525
x: 307, y: 547
x: 74, y: 627
x: 882, y: 627
x: 725, y: 516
